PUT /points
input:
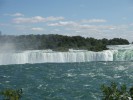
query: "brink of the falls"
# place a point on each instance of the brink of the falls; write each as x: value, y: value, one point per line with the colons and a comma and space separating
x: 49, y: 56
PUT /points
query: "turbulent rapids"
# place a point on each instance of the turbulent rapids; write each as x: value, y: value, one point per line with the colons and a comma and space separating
x: 116, y: 53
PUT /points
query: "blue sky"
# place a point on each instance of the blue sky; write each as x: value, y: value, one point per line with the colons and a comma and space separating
x: 88, y: 18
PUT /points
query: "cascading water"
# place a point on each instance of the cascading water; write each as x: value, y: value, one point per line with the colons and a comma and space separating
x: 43, y: 56
x: 123, y: 55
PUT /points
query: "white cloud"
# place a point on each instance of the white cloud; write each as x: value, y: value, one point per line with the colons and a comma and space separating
x: 57, y: 30
x: 36, y: 19
x: 86, y: 28
x: 124, y: 18
x: 64, y: 23
x: 15, y: 14
x: 37, y: 29
x: 21, y: 27
x: 94, y: 21
x: 54, y: 24
x: 73, y: 25
x: 4, y: 24
x: 131, y: 24
x: 98, y: 31
x: 51, y: 18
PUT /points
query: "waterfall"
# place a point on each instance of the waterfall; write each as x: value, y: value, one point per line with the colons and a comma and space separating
x: 41, y: 56
x: 123, y: 55
x: 44, y: 56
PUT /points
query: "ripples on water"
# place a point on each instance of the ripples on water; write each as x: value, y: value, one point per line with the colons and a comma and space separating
x: 65, y: 81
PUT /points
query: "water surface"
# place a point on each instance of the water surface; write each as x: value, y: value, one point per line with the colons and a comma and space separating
x: 64, y: 81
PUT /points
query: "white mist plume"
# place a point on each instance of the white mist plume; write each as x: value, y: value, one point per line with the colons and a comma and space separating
x: 7, y: 47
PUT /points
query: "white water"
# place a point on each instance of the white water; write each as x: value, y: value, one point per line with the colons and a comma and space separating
x: 120, y: 47
x: 43, y: 56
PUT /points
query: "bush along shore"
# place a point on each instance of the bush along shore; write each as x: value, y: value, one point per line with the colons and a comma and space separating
x: 115, y: 92
x: 11, y: 94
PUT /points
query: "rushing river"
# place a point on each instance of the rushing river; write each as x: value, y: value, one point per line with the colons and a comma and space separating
x: 64, y: 81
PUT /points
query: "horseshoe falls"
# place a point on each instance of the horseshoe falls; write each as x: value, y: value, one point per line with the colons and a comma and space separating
x: 44, y: 56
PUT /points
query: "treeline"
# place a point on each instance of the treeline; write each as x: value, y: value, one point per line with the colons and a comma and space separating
x: 59, y: 42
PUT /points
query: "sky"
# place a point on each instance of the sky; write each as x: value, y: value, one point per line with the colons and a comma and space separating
x: 87, y: 18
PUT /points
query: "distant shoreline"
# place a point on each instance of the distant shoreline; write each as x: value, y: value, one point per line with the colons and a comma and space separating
x: 57, y: 42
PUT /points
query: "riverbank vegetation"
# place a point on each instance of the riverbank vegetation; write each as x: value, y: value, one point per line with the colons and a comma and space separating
x: 109, y: 92
x: 11, y: 94
x: 59, y: 42
x: 115, y: 92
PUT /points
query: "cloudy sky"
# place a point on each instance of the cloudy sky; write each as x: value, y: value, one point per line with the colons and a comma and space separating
x: 88, y: 18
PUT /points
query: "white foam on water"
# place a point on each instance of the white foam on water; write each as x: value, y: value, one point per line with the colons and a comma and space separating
x: 116, y: 76
x: 120, y: 68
